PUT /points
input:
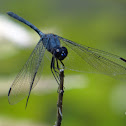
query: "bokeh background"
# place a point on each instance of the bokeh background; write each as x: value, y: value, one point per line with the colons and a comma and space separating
x: 89, y: 99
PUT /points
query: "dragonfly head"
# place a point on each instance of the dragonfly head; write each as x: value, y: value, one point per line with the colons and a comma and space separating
x: 60, y: 53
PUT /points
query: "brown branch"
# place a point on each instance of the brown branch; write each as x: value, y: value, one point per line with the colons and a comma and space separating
x: 60, y: 98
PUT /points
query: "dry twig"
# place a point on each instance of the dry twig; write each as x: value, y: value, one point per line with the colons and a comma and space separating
x: 60, y: 98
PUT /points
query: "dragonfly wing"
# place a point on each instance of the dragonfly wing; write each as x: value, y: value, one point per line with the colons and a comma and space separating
x: 29, y: 75
x: 83, y: 58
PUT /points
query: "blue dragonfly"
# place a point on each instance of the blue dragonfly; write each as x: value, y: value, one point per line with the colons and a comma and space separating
x: 62, y: 53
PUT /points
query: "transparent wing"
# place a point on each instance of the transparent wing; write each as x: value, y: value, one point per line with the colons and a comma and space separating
x: 29, y: 75
x: 83, y: 58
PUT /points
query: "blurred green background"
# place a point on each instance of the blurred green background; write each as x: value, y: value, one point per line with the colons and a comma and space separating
x: 89, y: 99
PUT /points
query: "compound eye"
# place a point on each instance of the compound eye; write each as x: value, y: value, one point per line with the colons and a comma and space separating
x: 58, y: 50
x: 57, y: 53
x: 60, y: 53
x: 63, y: 53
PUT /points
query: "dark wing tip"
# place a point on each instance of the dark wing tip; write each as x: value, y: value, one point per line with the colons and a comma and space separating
x: 123, y: 59
x: 9, y: 92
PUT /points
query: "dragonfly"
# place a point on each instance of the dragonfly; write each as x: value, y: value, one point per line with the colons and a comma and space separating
x: 62, y: 53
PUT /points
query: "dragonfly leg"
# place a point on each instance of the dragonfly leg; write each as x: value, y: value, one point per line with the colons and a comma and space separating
x: 53, y: 70
x: 62, y: 64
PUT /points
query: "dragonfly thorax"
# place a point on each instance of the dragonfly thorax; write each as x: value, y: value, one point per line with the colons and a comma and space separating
x: 52, y: 44
x: 50, y: 41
